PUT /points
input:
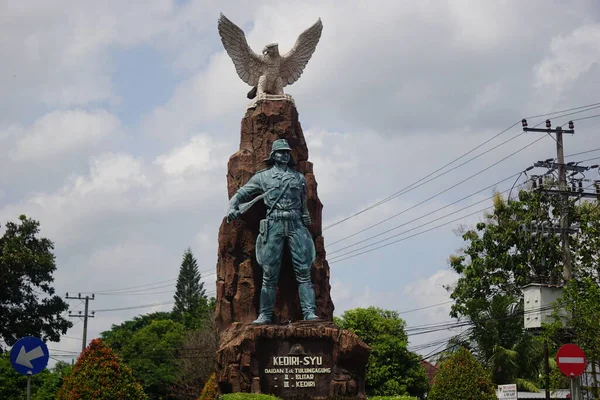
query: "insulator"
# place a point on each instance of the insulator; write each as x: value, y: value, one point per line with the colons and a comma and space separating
x: 548, y: 124
x: 571, y: 125
x: 524, y: 123
x: 581, y: 186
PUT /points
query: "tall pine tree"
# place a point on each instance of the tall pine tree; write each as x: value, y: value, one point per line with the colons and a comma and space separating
x: 191, y: 303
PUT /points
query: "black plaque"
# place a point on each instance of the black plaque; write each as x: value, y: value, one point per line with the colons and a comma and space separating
x: 295, y: 367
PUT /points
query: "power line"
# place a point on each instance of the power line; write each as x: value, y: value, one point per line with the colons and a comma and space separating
x: 583, y: 152
x: 588, y: 117
x: 409, y: 230
x: 135, y: 307
x: 412, y: 185
x: 408, y: 237
x: 442, y: 192
x: 425, y: 307
x: 584, y: 108
x: 203, y: 274
x: 429, y: 213
x: 144, y: 305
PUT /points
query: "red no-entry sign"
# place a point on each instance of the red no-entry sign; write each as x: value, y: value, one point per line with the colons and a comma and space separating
x: 571, y: 360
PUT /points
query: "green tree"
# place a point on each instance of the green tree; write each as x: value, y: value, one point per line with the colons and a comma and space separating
x: 51, y: 382
x: 391, y: 369
x: 191, y: 304
x: 28, y: 306
x: 12, y: 384
x: 197, y: 361
x: 119, y: 336
x: 461, y: 377
x: 498, y: 259
x: 503, y: 346
x: 151, y: 346
x: 44, y: 385
x: 152, y: 354
x: 99, y: 374
x: 579, y: 310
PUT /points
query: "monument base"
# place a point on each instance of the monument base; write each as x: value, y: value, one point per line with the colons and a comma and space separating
x: 270, y: 97
x: 301, y: 360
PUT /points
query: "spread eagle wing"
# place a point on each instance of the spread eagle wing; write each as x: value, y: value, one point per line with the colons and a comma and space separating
x: 294, y: 61
x: 248, y: 64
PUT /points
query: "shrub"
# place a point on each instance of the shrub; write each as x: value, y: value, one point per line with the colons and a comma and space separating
x: 98, y: 374
x: 210, y: 389
x: 461, y: 377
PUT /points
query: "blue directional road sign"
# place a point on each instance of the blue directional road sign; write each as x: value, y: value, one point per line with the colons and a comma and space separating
x: 29, y: 356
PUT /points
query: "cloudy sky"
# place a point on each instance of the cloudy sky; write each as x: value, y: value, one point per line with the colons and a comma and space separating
x: 117, y: 120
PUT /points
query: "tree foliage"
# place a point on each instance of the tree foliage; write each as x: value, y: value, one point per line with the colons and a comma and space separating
x: 503, y: 346
x: 209, y: 392
x: 28, y: 306
x: 391, y: 369
x: 579, y: 310
x: 99, y: 374
x: 51, y: 382
x: 191, y: 304
x: 119, y: 336
x: 12, y: 384
x: 44, y: 385
x: 150, y: 345
x: 196, y: 362
x: 461, y: 377
x: 499, y: 258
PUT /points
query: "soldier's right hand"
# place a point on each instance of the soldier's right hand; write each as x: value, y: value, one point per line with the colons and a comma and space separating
x: 234, y: 213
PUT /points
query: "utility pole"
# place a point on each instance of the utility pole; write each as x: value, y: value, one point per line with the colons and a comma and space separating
x: 85, y: 316
x: 562, y: 189
x: 564, y: 228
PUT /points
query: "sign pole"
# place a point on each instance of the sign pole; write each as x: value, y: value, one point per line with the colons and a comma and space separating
x: 28, y: 386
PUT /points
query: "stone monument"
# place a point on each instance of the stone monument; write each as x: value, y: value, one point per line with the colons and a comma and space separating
x: 274, y: 311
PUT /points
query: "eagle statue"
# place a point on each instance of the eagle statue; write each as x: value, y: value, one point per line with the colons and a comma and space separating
x: 270, y: 72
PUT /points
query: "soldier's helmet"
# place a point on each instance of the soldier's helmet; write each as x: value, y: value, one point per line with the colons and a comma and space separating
x: 297, y: 350
x: 279, y: 145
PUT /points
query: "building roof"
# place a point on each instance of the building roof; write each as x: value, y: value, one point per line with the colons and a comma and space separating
x: 430, y: 369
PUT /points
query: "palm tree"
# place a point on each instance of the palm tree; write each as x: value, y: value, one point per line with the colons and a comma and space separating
x: 502, y: 344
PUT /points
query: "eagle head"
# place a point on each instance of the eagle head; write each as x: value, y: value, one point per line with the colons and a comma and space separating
x: 272, y: 49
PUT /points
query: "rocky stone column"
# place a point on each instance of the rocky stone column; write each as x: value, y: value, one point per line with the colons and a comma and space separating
x: 238, y: 273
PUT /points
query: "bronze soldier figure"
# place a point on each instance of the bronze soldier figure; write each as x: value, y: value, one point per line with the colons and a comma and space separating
x: 284, y: 192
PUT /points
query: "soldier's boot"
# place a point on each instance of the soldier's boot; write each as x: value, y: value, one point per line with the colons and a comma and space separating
x: 267, y: 301
x: 307, y: 301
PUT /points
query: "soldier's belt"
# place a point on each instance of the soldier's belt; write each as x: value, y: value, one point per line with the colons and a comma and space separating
x: 284, y: 214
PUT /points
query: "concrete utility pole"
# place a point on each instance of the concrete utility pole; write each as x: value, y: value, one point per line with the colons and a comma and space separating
x: 85, y: 316
x: 562, y: 189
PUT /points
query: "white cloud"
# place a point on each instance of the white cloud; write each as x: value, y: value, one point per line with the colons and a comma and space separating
x: 571, y: 55
x: 60, y: 132
x: 194, y: 156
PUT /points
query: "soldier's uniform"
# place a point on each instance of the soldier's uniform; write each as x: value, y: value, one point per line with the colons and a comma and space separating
x: 286, y: 205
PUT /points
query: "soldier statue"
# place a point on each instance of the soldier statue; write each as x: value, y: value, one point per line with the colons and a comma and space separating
x: 284, y: 192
